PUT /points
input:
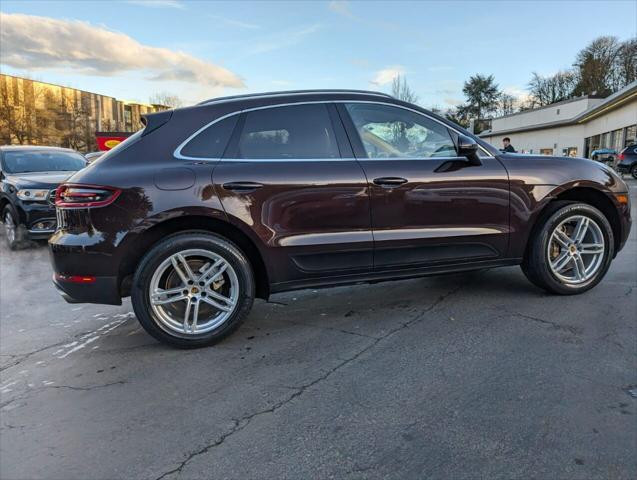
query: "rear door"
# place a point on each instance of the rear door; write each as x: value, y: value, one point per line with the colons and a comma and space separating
x: 429, y: 206
x: 289, y: 177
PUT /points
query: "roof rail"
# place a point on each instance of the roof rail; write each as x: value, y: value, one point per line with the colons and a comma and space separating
x: 292, y: 92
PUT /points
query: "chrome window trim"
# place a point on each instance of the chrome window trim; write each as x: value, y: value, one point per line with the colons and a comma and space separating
x: 177, y: 153
x: 291, y: 94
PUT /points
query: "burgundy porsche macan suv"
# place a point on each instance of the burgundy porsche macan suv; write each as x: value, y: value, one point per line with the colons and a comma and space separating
x: 213, y: 205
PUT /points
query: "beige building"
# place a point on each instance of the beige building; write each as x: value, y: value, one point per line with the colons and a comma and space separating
x: 574, y: 127
x: 39, y: 113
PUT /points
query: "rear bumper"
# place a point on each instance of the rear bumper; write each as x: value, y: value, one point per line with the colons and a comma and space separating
x: 103, y: 290
x: 624, y: 167
x: 76, y: 256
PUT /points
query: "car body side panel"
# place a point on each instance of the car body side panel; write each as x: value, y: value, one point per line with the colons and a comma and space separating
x: 311, y: 217
x: 537, y: 180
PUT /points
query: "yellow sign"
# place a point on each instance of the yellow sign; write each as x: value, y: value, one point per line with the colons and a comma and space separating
x: 112, y: 143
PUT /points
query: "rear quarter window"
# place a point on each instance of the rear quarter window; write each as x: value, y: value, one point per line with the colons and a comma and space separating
x: 289, y: 132
x: 211, y: 142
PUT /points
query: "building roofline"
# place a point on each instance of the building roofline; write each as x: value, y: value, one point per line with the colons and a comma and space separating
x: 617, y: 99
x: 249, y: 96
x: 561, y: 102
x: 128, y: 102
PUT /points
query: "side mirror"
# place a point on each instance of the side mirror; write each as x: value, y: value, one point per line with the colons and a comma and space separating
x: 468, y: 147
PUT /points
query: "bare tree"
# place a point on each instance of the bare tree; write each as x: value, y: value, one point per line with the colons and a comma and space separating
x: 506, y: 104
x: 552, y: 89
x: 402, y: 91
x: 166, y: 99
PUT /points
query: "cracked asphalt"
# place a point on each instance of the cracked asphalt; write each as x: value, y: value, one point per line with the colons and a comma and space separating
x: 476, y: 375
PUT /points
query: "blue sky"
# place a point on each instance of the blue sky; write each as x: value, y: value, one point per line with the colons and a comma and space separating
x: 239, y: 47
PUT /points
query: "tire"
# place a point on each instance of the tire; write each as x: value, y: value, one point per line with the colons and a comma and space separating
x: 563, y: 266
x: 163, y: 316
x: 14, y: 232
x: 633, y: 171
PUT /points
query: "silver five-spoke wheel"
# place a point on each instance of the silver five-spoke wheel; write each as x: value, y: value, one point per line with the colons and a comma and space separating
x: 193, y: 292
x: 576, y: 249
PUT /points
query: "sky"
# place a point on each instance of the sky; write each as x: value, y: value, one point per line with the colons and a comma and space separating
x: 203, y: 49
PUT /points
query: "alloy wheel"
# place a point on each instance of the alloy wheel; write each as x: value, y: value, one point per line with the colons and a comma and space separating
x: 193, y: 292
x: 576, y: 250
x: 9, y: 227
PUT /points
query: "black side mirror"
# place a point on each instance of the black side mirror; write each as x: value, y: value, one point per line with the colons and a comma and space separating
x: 468, y: 147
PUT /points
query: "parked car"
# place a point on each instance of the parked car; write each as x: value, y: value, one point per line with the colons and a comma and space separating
x: 211, y: 206
x: 604, y: 155
x: 627, y: 160
x: 92, y: 156
x: 29, y: 176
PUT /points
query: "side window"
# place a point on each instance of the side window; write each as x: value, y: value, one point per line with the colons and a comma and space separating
x: 212, y: 141
x: 296, y: 131
x: 392, y: 132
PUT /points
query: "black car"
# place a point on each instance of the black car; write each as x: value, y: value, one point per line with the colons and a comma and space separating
x: 627, y: 160
x: 28, y: 178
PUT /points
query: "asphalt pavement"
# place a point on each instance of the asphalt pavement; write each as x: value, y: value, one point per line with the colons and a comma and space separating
x: 475, y: 375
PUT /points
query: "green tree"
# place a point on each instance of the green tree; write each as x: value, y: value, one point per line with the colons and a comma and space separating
x: 482, y: 96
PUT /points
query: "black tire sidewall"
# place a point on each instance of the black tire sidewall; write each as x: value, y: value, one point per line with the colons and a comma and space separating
x: 540, y: 260
x: 633, y: 171
x: 9, y: 209
x: 169, y: 246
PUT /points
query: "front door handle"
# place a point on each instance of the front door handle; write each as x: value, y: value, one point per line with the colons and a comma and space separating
x: 242, y: 186
x: 389, y: 182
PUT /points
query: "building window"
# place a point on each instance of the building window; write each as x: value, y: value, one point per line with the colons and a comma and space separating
x: 546, y: 151
x: 631, y: 135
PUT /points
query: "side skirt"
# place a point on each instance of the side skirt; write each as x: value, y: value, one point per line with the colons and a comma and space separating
x: 388, y: 275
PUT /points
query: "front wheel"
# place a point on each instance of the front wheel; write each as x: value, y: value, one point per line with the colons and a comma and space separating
x: 13, y: 230
x: 633, y: 171
x: 192, y: 289
x: 571, y: 250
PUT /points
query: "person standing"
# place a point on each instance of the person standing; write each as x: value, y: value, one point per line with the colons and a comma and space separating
x: 508, y: 148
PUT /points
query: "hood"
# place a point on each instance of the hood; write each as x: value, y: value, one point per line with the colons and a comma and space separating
x: 38, y: 179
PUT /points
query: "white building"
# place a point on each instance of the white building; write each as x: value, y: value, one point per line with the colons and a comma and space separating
x: 574, y: 127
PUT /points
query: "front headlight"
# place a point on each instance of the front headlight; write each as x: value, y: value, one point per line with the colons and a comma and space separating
x: 33, y: 195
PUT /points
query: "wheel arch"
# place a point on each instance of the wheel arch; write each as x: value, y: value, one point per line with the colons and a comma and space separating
x: 589, y: 195
x: 146, y: 239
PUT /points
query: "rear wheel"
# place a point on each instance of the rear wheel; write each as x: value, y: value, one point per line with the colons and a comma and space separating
x: 193, y: 289
x: 633, y: 171
x: 571, y: 250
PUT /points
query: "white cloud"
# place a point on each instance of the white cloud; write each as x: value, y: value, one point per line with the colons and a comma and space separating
x: 282, y: 40
x: 341, y: 7
x: 454, y: 102
x: 158, y: 3
x: 236, y: 23
x: 387, y: 75
x: 519, y: 93
x: 32, y: 42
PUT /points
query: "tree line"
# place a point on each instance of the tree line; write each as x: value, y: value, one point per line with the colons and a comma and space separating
x: 603, y: 67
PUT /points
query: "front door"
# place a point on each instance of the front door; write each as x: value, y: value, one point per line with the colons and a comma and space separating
x: 429, y: 206
x: 289, y: 177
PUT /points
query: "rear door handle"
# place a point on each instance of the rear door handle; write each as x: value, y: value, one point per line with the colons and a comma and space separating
x: 242, y: 186
x: 390, y: 181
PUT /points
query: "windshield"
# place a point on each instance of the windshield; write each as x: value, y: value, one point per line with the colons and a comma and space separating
x: 42, y: 161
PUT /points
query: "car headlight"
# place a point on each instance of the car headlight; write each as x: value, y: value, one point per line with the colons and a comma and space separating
x: 33, y: 195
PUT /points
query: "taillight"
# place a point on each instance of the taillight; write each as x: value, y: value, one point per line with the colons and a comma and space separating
x: 84, y: 196
x: 620, y: 157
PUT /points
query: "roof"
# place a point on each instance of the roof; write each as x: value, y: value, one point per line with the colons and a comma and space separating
x: 616, y: 100
x: 11, y: 148
x: 292, y: 93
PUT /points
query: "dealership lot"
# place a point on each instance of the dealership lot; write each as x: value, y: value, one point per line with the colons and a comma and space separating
x: 462, y: 376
